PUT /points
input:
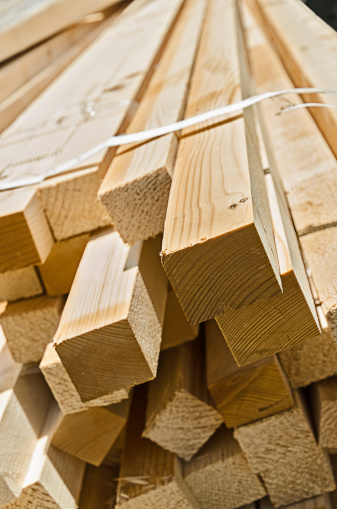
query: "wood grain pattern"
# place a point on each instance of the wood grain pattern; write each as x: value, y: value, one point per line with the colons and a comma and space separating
x: 59, y: 270
x: 19, y: 284
x: 64, y: 390
x: 136, y: 187
x: 29, y: 325
x: 299, y: 155
x: 320, y: 502
x: 110, y: 318
x: 243, y: 394
x: 176, y: 329
x: 150, y: 476
x: 216, y: 206
x: 308, y: 54
x: 99, y: 487
x: 286, y: 440
x: 90, y: 434
x: 180, y: 415
x: 265, y: 328
x: 25, y: 235
x: 219, y: 471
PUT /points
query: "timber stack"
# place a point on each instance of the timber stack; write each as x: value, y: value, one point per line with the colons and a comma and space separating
x: 168, y: 314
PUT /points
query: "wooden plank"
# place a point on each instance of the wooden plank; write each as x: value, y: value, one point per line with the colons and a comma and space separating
x: 176, y: 329
x: 19, y: 284
x: 59, y: 270
x: 90, y: 434
x: 113, y: 458
x: 71, y: 116
x: 219, y: 475
x: 99, y: 487
x: 180, y: 414
x: 53, y: 478
x: 265, y: 328
x: 283, y: 450
x: 23, y: 24
x: 24, y: 402
x: 217, y: 205
x: 136, y: 187
x: 307, y: 54
x: 299, y: 155
x: 64, y: 390
x: 25, y: 235
x: 320, y: 502
x: 29, y: 325
x: 111, y: 317
x: 243, y: 394
x: 149, y: 475
x: 324, y: 409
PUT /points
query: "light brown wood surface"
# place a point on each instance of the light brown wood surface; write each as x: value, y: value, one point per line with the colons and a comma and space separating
x: 19, y: 284
x: 180, y: 415
x: 308, y: 52
x: 219, y: 475
x: 90, y: 434
x: 110, y: 317
x: 59, y: 270
x: 283, y: 450
x: 243, y: 394
x: 149, y: 476
x: 99, y: 487
x: 136, y: 188
x: 320, y: 502
x: 29, y: 325
x: 216, y: 206
x: 324, y: 409
x: 265, y: 328
x: 64, y: 390
x: 176, y: 329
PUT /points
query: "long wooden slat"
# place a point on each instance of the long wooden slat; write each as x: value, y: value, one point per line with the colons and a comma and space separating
x: 29, y: 325
x: 71, y: 116
x: 136, y: 187
x: 218, y: 205
x: 219, y: 475
x: 24, y: 23
x: 113, y: 316
x: 308, y: 52
x: 20, y: 284
x: 180, y: 414
x: 299, y: 155
x: 245, y: 394
x: 64, y: 390
x: 283, y: 450
x: 265, y: 328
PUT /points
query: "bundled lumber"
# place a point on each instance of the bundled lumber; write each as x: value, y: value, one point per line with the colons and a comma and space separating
x: 286, y: 440
x: 218, y: 472
x: 29, y: 325
x: 180, y: 415
x: 115, y: 319
x: 247, y: 394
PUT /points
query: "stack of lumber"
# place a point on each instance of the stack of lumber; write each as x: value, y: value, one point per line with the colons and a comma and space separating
x: 168, y: 308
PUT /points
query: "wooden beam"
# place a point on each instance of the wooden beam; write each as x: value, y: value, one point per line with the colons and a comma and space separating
x: 90, y: 434
x: 25, y: 235
x: 58, y: 271
x: 219, y: 475
x: 180, y: 414
x: 136, y: 187
x: 29, y: 325
x: 298, y: 154
x: 218, y: 205
x: 64, y: 390
x: 19, y: 284
x: 283, y: 450
x: 112, y: 316
x: 176, y: 329
x: 99, y: 487
x: 265, y: 328
x: 53, y: 478
x: 243, y: 394
x: 324, y: 409
x: 149, y: 475
x: 307, y: 54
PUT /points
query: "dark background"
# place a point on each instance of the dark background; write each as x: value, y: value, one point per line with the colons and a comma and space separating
x: 326, y: 9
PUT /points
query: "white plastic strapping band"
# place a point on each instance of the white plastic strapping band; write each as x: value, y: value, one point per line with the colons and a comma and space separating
x: 124, y: 139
